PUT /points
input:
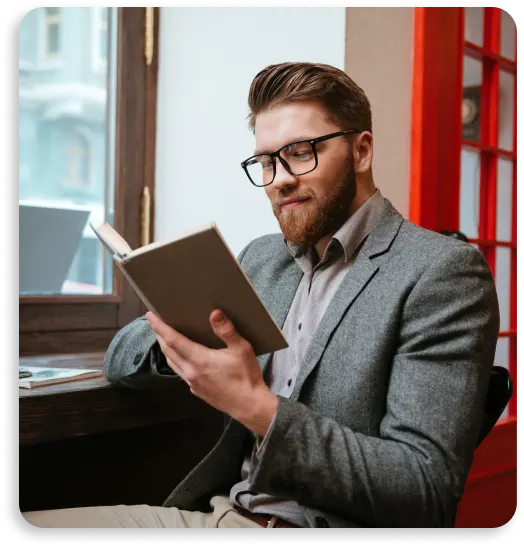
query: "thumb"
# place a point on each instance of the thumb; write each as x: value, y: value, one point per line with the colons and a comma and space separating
x: 224, y: 328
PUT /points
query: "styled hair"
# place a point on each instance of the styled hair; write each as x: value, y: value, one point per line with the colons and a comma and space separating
x: 345, y: 102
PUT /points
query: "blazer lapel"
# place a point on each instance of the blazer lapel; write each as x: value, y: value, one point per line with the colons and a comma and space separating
x: 356, y: 279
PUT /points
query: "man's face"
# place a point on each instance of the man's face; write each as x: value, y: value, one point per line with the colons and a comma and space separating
x: 321, y: 199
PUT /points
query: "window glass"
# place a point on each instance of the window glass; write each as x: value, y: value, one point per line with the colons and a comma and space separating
x: 474, y: 25
x: 508, y: 32
x: 469, y: 192
x: 66, y: 149
x: 471, y: 90
x: 502, y: 279
x: 506, y: 109
x: 504, y: 199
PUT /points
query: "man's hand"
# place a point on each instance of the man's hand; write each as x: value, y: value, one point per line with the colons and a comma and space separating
x: 228, y: 379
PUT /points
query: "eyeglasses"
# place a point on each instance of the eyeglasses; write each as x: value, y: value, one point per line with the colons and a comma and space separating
x: 298, y: 158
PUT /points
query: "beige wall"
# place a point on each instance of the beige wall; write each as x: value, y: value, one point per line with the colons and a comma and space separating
x: 379, y: 57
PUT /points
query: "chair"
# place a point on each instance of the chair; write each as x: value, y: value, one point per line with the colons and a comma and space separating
x: 500, y: 390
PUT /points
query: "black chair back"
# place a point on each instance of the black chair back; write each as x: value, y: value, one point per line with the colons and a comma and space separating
x: 500, y: 390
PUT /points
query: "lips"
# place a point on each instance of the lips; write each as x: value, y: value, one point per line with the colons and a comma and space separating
x: 289, y: 204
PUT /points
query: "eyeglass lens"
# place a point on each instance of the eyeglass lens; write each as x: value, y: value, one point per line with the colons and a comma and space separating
x: 300, y: 158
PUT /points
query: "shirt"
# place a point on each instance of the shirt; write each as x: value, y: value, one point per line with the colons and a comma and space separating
x: 317, y: 287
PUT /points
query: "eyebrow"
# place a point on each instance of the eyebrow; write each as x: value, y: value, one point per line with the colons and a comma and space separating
x: 296, y: 139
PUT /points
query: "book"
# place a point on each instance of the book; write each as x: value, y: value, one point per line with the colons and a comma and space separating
x: 46, y: 376
x: 182, y: 280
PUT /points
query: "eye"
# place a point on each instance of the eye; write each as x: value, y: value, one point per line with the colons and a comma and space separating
x: 264, y: 162
x: 300, y: 151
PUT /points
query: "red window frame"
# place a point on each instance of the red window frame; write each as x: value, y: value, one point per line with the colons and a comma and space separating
x: 490, y: 153
x: 489, y: 499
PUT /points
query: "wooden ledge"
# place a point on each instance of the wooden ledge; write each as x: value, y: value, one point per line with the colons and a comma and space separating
x: 86, y: 360
x: 84, y: 407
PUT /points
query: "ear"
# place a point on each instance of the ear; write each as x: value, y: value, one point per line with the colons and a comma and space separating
x: 363, y: 152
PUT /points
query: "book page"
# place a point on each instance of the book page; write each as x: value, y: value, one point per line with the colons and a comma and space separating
x: 187, y: 233
x: 112, y: 240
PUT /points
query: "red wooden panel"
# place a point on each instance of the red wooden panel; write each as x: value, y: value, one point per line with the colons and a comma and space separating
x: 489, y: 503
x: 436, y: 121
x: 490, y: 496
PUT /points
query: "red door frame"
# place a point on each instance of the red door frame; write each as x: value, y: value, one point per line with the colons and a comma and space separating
x: 490, y: 496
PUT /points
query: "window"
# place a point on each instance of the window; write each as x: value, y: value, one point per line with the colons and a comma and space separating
x: 464, y: 143
x: 86, y: 145
x: 100, y: 38
x: 488, y: 162
x: 52, y: 32
x: 77, y: 159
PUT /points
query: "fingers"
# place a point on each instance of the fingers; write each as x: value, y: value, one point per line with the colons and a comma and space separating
x: 224, y: 328
x: 184, y: 347
x: 176, y: 363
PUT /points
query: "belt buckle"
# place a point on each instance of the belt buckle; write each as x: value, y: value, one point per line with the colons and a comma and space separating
x: 272, y: 522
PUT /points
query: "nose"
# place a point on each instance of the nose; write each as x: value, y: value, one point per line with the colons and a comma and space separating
x: 282, y: 176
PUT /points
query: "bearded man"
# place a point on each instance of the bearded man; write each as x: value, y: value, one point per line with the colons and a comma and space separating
x: 370, y: 417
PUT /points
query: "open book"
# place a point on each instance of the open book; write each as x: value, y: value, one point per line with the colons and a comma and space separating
x: 184, y: 279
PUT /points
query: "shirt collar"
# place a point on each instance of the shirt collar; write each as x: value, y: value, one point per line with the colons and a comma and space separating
x: 351, y: 234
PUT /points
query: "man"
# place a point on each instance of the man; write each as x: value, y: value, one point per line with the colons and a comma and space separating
x: 370, y: 417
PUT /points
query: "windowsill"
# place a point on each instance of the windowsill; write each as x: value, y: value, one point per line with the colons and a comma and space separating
x: 85, y: 407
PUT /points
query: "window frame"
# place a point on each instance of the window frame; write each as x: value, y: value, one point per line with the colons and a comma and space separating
x: 438, y: 142
x: 435, y: 204
x: 81, y: 323
x: 490, y: 153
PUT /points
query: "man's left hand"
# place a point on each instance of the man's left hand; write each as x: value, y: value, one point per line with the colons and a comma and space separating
x: 228, y: 379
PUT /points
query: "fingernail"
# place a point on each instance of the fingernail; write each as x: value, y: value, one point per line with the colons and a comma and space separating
x: 220, y: 317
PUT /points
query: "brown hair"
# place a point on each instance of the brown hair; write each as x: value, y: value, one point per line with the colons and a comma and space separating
x: 345, y: 101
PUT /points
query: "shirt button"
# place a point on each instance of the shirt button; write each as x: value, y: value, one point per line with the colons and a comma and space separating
x: 299, y: 326
x: 289, y: 382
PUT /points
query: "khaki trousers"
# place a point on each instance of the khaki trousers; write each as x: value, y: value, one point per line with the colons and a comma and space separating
x: 223, y: 515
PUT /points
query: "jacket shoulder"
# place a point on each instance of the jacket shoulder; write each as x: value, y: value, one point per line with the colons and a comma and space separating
x: 427, y: 246
x: 268, y: 252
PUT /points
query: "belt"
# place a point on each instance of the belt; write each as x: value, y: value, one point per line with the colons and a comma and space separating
x: 266, y: 521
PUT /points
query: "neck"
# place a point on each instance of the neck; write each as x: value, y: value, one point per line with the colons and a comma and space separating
x: 363, y: 192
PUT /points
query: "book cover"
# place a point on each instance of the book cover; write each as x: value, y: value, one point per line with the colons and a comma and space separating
x: 184, y: 279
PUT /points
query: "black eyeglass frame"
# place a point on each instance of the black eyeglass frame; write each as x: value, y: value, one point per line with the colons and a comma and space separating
x: 274, y: 155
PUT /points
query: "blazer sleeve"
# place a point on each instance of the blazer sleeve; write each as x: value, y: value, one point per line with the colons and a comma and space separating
x: 134, y: 358
x: 414, y: 473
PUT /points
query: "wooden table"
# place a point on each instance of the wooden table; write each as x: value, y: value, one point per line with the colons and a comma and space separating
x: 84, y: 407
x: 103, y: 445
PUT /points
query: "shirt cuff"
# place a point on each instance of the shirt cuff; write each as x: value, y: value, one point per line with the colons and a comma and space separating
x: 260, y: 442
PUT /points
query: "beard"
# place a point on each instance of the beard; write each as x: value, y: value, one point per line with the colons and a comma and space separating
x: 307, y: 224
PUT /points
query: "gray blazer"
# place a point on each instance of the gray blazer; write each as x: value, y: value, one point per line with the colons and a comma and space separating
x: 383, y: 420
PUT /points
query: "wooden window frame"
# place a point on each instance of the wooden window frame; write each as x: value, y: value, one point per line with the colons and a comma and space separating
x: 75, y: 324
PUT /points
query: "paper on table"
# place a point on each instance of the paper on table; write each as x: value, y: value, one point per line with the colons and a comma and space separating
x: 44, y: 376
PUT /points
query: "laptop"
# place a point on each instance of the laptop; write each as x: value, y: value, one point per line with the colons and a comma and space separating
x: 49, y: 238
